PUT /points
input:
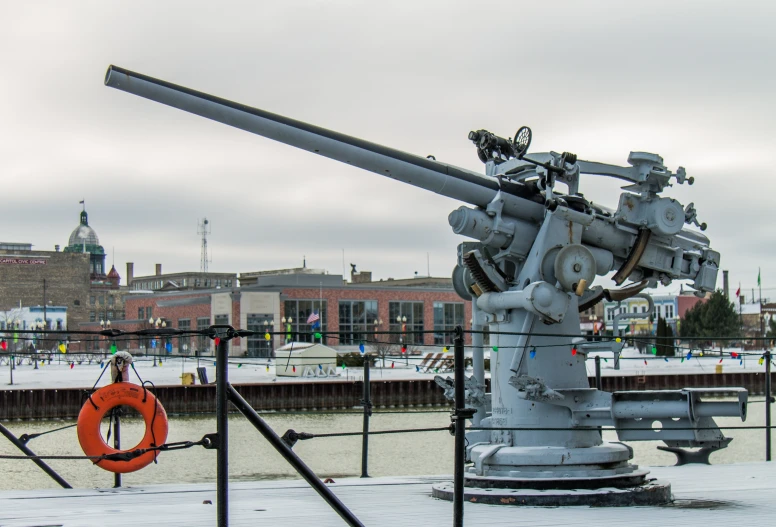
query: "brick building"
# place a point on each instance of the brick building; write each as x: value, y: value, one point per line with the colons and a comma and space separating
x: 73, y: 279
x: 187, y: 281
x: 281, y: 303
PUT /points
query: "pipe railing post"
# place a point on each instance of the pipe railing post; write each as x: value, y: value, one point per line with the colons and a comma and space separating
x: 43, y: 466
x: 117, y: 442
x: 367, y: 404
x: 222, y: 427
x: 767, y: 356
x: 459, y: 416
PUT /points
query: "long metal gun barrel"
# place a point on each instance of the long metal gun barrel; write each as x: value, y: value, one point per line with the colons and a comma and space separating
x: 447, y: 180
x: 521, y: 202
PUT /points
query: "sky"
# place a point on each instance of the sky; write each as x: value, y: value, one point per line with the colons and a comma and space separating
x: 691, y: 81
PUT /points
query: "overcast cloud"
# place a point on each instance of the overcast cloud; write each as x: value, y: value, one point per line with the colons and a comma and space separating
x: 692, y: 81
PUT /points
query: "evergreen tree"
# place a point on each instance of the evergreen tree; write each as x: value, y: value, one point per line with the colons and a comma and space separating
x: 712, y: 320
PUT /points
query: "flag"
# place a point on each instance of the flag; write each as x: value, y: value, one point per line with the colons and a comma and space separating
x: 313, y: 318
x: 738, y: 291
x: 758, y: 276
x: 81, y: 202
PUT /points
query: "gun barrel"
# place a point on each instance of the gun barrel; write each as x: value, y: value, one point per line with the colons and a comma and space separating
x: 447, y: 180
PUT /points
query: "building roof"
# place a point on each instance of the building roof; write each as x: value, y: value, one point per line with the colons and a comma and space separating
x: 749, y: 309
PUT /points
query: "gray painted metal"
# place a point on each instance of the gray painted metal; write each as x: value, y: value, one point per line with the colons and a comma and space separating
x: 535, y: 253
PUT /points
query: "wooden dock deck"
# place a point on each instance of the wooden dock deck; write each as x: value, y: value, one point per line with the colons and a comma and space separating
x: 717, y: 495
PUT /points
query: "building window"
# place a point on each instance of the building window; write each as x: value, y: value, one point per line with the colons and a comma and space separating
x: 203, y: 341
x: 446, y: 317
x: 184, y: 341
x: 140, y: 313
x: 149, y: 312
x: 643, y: 309
x: 258, y: 346
x: 228, y: 283
x: 299, y: 312
x: 111, y: 300
x: 92, y: 300
x: 220, y: 320
x: 218, y: 282
x: 670, y: 311
x: 102, y: 300
x: 357, y: 321
x: 196, y: 282
x: 185, y: 282
x: 92, y: 316
x: 409, y: 332
x: 110, y: 315
x: 635, y: 309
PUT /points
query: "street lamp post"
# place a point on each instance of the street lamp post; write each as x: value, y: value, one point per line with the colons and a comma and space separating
x: 105, y: 324
x: 269, y: 327
x: 406, y: 348
x: 39, y: 326
x: 403, y: 337
x: 11, y: 357
x: 157, y: 323
x: 287, y: 328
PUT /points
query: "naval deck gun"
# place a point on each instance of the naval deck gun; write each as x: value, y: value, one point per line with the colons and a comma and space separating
x: 529, y: 271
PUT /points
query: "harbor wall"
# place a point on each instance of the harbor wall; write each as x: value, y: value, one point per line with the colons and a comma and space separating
x: 65, y: 403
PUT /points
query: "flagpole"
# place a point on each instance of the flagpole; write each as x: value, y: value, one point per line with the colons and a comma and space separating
x: 762, y: 325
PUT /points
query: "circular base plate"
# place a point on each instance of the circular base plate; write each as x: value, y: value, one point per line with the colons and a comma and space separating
x: 626, y: 479
x: 653, y: 492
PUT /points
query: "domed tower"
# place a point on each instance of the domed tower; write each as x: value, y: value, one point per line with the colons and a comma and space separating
x: 83, y: 239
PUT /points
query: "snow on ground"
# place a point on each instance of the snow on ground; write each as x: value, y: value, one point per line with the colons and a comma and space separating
x: 59, y: 373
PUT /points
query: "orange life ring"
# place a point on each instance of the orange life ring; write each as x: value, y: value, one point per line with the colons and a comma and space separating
x: 109, y: 397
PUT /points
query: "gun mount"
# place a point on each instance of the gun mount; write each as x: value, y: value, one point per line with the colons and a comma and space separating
x: 535, y: 256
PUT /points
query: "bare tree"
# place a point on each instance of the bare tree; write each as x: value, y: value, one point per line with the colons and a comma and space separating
x: 383, y: 350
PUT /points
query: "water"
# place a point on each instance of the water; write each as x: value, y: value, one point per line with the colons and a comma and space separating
x: 251, y: 458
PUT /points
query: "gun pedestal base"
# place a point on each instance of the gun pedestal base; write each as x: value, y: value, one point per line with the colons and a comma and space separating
x: 556, y: 476
x: 654, y: 492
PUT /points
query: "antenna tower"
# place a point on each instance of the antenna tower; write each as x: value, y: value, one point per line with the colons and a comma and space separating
x: 203, y: 229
